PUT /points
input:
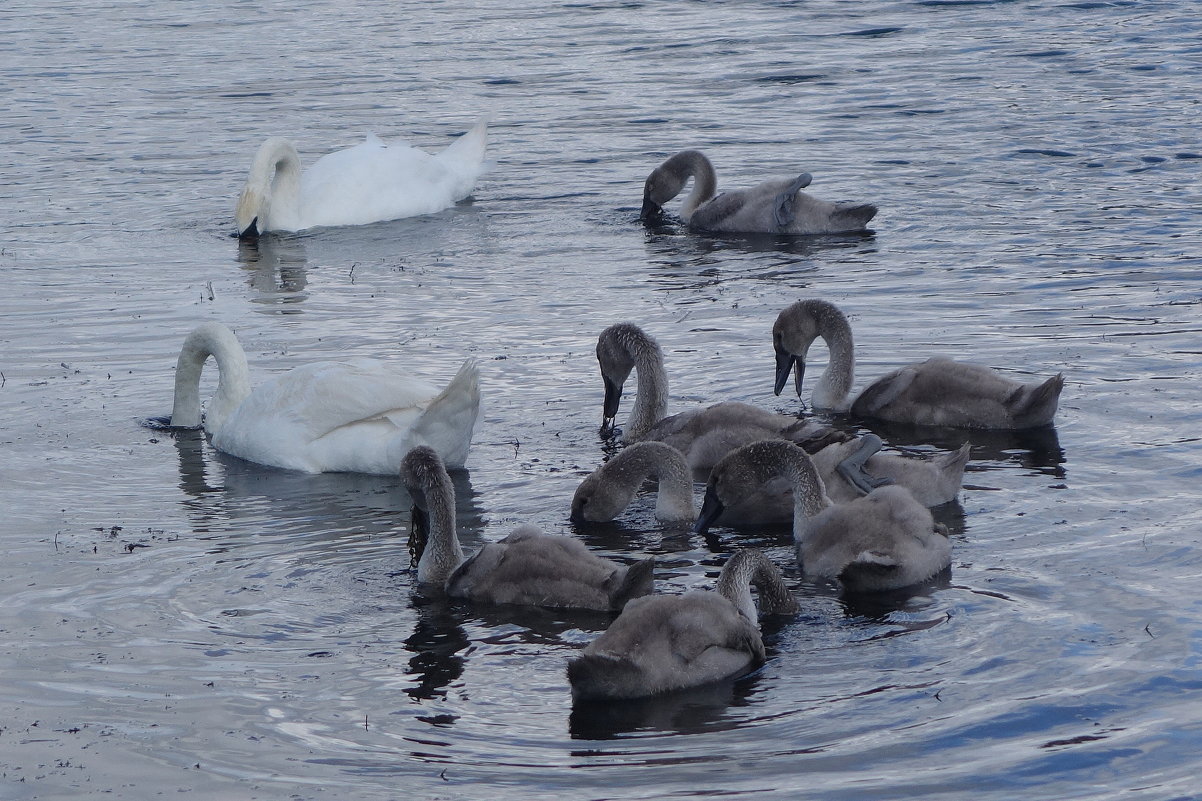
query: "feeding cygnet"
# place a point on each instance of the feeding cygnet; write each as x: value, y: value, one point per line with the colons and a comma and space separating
x: 937, y: 392
x: 367, y: 183
x: 773, y: 207
x: 527, y: 567
x: 882, y: 541
x: 662, y: 643
x: 703, y: 435
x: 848, y: 470
x: 358, y: 416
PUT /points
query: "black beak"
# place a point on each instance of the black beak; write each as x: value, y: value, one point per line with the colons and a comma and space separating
x: 613, y: 396
x: 711, y: 507
x: 419, y: 534
x: 651, y: 210
x: 252, y: 230
x: 784, y: 365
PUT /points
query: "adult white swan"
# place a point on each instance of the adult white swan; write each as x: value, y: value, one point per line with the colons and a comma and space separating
x: 366, y: 183
x: 773, y: 207
x: 358, y: 416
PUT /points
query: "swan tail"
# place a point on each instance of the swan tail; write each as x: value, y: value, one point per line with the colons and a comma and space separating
x: 447, y: 422
x: 601, y: 676
x: 470, y: 147
x: 951, y: 468
x: 852, y: 218
x: 870, y: 570
x: 633, y: 582
x: 1037, y: 407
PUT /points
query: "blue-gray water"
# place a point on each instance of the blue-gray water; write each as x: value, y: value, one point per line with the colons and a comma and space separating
x: 172, y: 619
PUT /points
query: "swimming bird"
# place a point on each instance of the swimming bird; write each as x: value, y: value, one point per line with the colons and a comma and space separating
x: 526, y: 567
x: 358, y: 416
x: 662, y: 643
x: 703, y: 435
x: 367, y: 183
x: 848, y: 470
x: 882, y: 541
x: 938, y: 391
x: 773, y: 207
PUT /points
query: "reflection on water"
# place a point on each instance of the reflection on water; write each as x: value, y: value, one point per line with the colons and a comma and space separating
x: 437, y: 643
x: 277, y: 268
x: 694, y: 711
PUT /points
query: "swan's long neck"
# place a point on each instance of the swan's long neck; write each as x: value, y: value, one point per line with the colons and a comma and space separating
x: 623, y: 347
x: 233, y: 377
x: 433, y: 494
x: 272, y: 192
x: 749, y: 567
x: 771, y: 458
x: 665, y: 464
x: 705, y: 181
x: 834, y: 386
x: 798, y: 326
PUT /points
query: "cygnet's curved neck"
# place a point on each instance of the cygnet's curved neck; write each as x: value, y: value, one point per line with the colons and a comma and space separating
x: 665, y: 464
x: 272, y: 192
x: 705, y: 181
x: 428, y: 484
x: 630, y: 346
x: 745, y: 568
x: 820, y: 318
x: 771, y: 458
x: 233, y: 377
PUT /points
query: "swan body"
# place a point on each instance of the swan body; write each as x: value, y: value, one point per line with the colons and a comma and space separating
x: 703, y: 435
x: 662, y: 643
x: 932, y: 482
x: 367, y: 183
x: 355, y: 416
x: 938, y: 391
x: 883, y: 541
x: 527, y: 567
x: 773, y: 207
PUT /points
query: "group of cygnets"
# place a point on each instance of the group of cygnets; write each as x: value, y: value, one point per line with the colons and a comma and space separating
x: 860, y: 516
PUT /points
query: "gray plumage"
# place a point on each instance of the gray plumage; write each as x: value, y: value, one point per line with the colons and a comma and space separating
x: 662, y: 643
x: 938, y: 391
x: 703, y: 435
x: 526, y: 567
x: 884, y: 540
x: 773, y: 207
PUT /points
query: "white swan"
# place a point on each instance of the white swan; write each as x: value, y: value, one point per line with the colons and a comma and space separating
x: 849, y: 470
x: 938, y: 391
x: 703, y: 435
x: 527, y: 567
x: 773, y: 207
x: 358, y: 416
x: 366, y: 183
x: 882, y: 541
x: 662, y: 643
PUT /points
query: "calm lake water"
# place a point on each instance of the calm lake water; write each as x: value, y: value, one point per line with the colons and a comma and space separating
x: 173, y: 619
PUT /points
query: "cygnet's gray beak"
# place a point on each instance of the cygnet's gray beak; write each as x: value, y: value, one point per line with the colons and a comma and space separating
x: 785, y: 362
x: 711, y: 508
x: 651, y: 209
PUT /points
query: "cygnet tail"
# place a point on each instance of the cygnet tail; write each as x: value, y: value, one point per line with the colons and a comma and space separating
x: 870, y: 571
x: 1033, y: 407
x: 447, y: 422
x: 601, y: 676
x: 852, y: 218
x: 951, y: 470
x: 633, y: 582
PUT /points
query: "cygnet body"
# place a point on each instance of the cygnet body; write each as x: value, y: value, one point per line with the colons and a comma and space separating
x: 527, y: 567
x: 882, y: 541
x: 938, y: 392
x: 772, y: 207
x: 662, y: 643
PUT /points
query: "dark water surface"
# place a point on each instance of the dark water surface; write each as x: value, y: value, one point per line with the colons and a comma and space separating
x: 172, y: 619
